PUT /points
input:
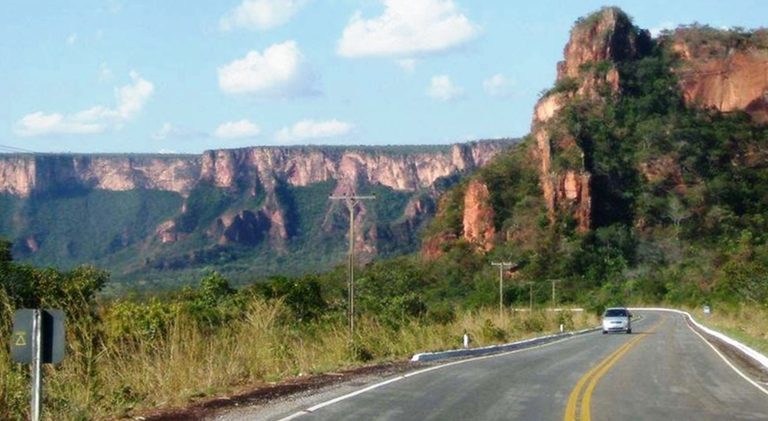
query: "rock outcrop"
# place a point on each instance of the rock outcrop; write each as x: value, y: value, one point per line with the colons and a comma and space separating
x: 723, y: 70
x: 23, y: 175
x: 478, y: 216
x: 597, y: 44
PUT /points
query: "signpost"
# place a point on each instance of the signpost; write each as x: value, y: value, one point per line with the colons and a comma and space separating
x: 37, y: 339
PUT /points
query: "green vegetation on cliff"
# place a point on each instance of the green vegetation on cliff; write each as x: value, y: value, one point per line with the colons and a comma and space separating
x: 678, y: 198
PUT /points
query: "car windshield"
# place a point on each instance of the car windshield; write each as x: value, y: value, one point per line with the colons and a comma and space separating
x: 615, y: 312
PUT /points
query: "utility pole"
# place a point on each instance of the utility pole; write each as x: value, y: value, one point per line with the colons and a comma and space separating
x: 530, y: 296
x: 501, y: 266
x: 351, y: 201
x: 554, y: 301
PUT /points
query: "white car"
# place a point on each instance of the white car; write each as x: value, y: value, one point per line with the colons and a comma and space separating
x: 617, y: 319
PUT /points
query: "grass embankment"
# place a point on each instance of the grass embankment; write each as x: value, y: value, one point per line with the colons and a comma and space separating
x: 121, y: 376
x: 745, y: 323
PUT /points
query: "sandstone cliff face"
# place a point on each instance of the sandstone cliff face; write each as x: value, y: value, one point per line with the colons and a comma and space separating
x: 596, y: 45
x: 602, y: 39
x: 23, y: 175
x: 725, y: 72
x: 302, y: 167
x: 247, y: 176
x: 478, y: 216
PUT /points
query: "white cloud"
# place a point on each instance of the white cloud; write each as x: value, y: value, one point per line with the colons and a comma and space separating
x: 72, y: 39
x: 170, y: 131
x: 130, y: 99
x: 498, y: 86
x: 442, y: 88
x: 260, y: 14
x: 407, y: 28
x: 105, y: 73
x: 281, y: 71
x: 311, y: 129
x: 407, y: 64
x: 237, y: 130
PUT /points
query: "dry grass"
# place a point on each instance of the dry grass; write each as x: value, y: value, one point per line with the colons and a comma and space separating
x: 117, y: 378
x: 746, y: 323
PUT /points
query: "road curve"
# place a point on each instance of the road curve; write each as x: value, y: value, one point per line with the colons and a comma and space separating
x: 663, y: 371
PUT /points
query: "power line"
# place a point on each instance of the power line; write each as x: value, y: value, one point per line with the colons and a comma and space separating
x: 14, y: 149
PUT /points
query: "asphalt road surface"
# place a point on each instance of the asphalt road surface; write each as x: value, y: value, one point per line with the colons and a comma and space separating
x: 662, y: 371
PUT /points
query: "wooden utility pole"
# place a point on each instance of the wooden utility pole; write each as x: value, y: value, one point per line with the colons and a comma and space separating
x: 554, y: 301
x: 351, y: 201
x: 501, y: 266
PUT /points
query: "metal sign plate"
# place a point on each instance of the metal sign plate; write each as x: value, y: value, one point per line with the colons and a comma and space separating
x: 21, y: 337
x: 53, y: 336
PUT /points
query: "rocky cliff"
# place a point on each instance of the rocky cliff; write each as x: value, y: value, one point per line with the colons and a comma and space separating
x: 269, y: 198
x: 575, y: 141
x: 718, y: 69
x: 724, y: 70
x: 23, y: 175
x: 596, y: 46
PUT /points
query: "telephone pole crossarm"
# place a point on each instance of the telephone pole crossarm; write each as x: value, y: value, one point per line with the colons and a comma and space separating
x: 351, y: 201
x: 501, y: 266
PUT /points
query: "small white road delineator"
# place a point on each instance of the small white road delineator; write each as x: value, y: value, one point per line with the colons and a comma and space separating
x: 493, y: 349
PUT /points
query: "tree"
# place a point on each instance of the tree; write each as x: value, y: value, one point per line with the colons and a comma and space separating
x: 5, y: 252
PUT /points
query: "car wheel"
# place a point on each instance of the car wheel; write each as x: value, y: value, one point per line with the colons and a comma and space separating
x: 629, y: 331
x: 604, y: 332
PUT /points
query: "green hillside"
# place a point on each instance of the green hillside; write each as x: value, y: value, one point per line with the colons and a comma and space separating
x: 679, y: 198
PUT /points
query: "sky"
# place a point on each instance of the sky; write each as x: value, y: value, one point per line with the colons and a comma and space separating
x: 115, y: 76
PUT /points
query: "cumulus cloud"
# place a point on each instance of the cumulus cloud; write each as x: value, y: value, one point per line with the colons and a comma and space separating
x: 169, y: 131
x: 498, y: 86
x: 237, y: 130
x: 407, y: 28
x: 311, y: 129
x: 260, y: 14
x: 442, y: 88
x: 130, y: 100
x: 280, y: 71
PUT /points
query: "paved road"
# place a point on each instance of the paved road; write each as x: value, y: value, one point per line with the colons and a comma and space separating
x: 663, y: 371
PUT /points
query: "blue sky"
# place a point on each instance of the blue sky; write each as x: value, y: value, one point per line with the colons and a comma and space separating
x: 162, y: 76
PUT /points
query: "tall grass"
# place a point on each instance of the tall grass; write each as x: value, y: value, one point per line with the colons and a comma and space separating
x: 124, y: 375
x: 745, y: 322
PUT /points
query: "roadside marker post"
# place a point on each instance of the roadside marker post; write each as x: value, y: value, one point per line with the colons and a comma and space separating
x: 38, y: 338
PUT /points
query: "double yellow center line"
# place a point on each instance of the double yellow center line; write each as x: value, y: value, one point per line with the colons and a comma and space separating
x: 581, y: 395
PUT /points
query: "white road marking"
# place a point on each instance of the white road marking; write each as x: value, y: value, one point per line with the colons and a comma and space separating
x: 719, y: 354
x: 422, y: 371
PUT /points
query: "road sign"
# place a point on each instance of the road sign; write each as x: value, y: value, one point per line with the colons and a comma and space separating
x: 52, y: 345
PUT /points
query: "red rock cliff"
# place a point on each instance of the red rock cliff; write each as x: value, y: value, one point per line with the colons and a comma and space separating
x: 724, y: 70
x: 597, y: 43
x: 478, y: 216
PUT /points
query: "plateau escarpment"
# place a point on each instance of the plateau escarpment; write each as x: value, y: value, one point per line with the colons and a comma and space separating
x: 187, y: 211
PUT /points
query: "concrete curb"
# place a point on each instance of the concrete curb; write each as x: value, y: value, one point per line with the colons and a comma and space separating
x: 744, y: 349
x: 493, y: 349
